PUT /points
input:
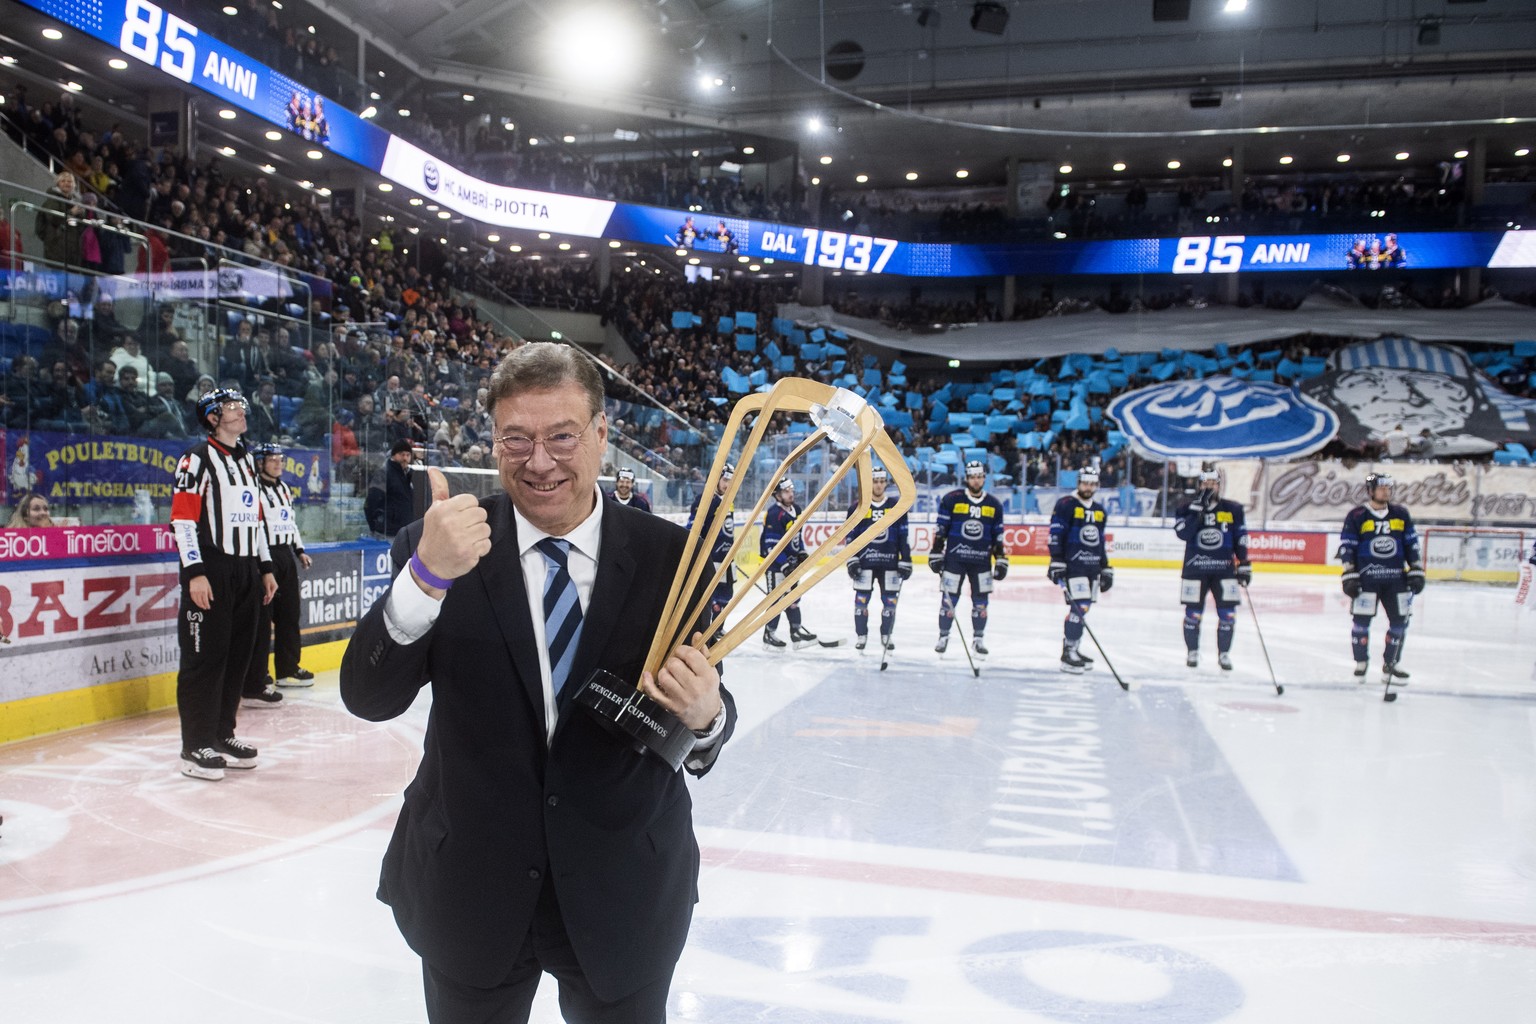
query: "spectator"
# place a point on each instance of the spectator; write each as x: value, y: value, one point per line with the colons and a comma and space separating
x: 129, y: 353
x: 1395, y: 442
x: 130, y: 397
x: 180, y: 365
x: 31, y: 512
x: 263, y: 422
x: 391, y: 506
x: 166, y: 416
x: 59, y: 224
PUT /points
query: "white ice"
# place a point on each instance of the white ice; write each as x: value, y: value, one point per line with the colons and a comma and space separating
x: 914, y: 845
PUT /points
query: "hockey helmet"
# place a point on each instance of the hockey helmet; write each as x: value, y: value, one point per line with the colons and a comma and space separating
x: 785, y: 484
x: 267, y: 450
x: 1209, y: 473
x: 1088, y: 475
x: 625, y: 474
x: 879, y: 473
x: 975, y: 468
x: 728, y: 470
x: 214, y: 401
x: 1378, y: 479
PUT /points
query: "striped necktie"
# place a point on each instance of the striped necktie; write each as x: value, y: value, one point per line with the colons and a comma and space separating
x: 562, y: 611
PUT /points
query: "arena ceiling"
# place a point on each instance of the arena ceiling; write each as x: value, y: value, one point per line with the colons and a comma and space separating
x: 912, y: 85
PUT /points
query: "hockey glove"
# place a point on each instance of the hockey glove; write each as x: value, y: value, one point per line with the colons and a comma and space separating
x: 936, y: 556
x: 1106, y: 579
x: 1416, y: 579
x: 1351, y: 583
x: 904, y: 570
x: 854, y: 570
x: 1244, y: 574
x: 999, y: 568
x: 1056, y: 572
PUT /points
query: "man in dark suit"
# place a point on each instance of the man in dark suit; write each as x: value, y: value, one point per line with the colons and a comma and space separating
x: 532, y: 840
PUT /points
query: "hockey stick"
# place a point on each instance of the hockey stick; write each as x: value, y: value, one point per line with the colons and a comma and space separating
x: 965, y: 645
x: 1107, y: 663
x: 1386, y: 682
x: 824, y: 643
x: 885, y: 653
x: 1279, y: 690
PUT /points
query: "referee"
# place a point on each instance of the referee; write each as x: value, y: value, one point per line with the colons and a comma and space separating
x: 226, y: 577
x: 278, y: 630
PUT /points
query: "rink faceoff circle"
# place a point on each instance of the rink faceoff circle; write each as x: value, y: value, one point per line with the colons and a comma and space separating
x: 111, y: 812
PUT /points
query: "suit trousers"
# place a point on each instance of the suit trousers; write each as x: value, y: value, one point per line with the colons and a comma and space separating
x: 216, y: 649
x: 547, y: 949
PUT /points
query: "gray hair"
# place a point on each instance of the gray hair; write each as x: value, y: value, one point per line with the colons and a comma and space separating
x: 542, y: 365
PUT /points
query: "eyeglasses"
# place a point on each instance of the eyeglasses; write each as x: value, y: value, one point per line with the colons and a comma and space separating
x: 519, y: 447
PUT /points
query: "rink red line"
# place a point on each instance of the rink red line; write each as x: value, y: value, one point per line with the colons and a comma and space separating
x: 1299, y: 915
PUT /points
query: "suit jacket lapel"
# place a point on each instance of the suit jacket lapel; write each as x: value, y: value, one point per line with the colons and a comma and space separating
x: 501, y: 573
x: 600, y: 622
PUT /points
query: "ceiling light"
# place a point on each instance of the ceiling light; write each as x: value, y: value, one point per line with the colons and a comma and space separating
x: 514, y: 247
x: 385, y: 186
x: 1287, y: 160
x: 73, y: 86
x: 443, y: 214
x: 568, y: 139
x: 1174, y: 165
x: 227, y: 114
x: 369, y: 112
x: 8, y: 59
x: 117, y: 64
x: 231, y: 10
x: 826, y: 160
x: 564, y: 246
x: 493, y: 238
x: 1065, y: 168
x: 416, y: 200
x: 268, y: 169
x: 52, y: 33
x: 1522, y: 152
x: 609, y: 44
x: 532, y: 141
x: 404, y: 111
x: 1342, y: 158
x: 813, y: 124
x: 693, y: 261
x: 1227, y: 162
x: 227, y: 150
x: 273, y: 135
x: 614, y: 244
x: 1460, y: 154
x: 1402, y: 156
x: 815, y: 181
x: 755, y: 267
x: 1235, y: 6
x: 861, y: 178
x: 1118, y: 166
x: 749, y: 150
x: 911, y: 175
x: 543, y: 236
x: 469, y: 97
x: 682, y: 252
x: 314, y: 154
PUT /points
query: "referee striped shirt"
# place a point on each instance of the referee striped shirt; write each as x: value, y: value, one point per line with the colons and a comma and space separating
x: 277, y: 515
x: 216, y: 507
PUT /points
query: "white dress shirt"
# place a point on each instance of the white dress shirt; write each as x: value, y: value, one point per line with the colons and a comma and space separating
x: 410, y: 613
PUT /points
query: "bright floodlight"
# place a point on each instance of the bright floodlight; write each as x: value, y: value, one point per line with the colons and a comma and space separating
x: 604, y: 39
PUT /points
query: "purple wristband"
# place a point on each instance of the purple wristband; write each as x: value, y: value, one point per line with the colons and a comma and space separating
x: 425, y: 575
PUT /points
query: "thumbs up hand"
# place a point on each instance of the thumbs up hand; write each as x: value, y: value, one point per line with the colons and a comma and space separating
x: 454, y: 536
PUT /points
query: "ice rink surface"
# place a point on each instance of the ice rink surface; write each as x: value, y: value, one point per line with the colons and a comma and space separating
x: 914, y: 845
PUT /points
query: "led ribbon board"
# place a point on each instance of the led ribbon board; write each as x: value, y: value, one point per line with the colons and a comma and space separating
x: 147, y: 32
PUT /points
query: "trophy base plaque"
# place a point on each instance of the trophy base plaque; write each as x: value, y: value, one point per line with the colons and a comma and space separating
x: 630, y: 715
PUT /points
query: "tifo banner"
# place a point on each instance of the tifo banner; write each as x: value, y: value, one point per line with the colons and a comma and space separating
x: 1324, y: 491
x: 1375, y: 387
x: 110, y: 470
x: 1222, y: 417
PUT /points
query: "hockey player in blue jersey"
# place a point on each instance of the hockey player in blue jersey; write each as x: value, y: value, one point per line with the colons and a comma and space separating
x: 1380, y: 551
x: 624, y: 491
x: 1079, y: 562
x: 1215, y: 540
x: 722, y: 549
x: 778, y: 521
x: 968, y: 545
x: 887, y: 561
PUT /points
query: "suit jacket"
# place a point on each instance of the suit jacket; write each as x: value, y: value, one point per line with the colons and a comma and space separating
x: 494, y: 809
